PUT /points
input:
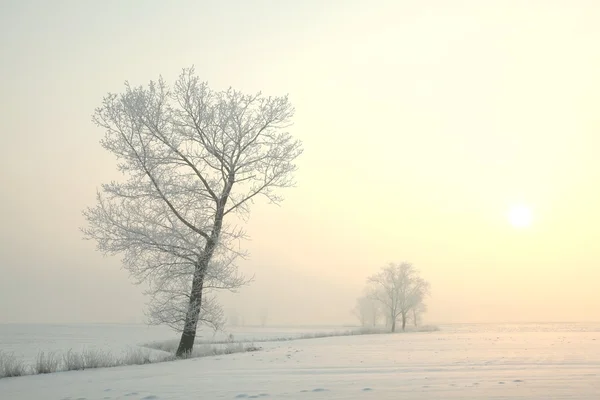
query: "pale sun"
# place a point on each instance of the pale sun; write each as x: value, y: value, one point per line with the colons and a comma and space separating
x: 520, y: 216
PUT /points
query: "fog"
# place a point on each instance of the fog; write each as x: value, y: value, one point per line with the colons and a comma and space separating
x: 422, y: 124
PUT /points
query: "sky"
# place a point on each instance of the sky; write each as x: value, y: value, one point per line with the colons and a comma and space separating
x: 423, y: 124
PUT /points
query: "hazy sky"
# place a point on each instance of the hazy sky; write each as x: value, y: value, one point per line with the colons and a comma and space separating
x: 423, y: 122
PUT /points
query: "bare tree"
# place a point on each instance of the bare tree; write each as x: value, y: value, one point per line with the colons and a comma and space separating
x: 192, y: 157
x: 367, y: 310
x: 417, y: 311
x: 399, y: 288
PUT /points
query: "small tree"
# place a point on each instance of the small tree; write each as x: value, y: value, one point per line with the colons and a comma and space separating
x: 192, y: 158
x: 399, y: 289
x: 367, y: 310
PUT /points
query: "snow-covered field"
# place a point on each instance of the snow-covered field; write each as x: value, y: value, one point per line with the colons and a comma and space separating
x: 27, y: 340
x: 466, y: 362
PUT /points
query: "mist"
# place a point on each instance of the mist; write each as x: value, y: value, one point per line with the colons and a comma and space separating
x: 422, y: 124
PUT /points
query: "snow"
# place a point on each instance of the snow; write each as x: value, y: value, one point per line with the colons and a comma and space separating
x: 27, y: 340
x: 438, y: 365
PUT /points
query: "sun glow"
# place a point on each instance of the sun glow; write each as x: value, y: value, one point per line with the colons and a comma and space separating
x: 520, y: 216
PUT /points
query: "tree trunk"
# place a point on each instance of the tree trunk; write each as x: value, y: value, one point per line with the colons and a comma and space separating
x: 393, y: 325
x: 188, y: 336
x: 403, y: 321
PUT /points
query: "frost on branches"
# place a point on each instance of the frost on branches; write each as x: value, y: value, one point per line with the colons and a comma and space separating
x: 400, y: 290
x: 191, y: 157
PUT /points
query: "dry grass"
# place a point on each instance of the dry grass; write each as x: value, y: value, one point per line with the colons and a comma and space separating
x: 46, y: 364
x: 99, y: 359
x: 138, y: 356
x: 73, y: 361
x: 206, y: 348
x: 11, y: 366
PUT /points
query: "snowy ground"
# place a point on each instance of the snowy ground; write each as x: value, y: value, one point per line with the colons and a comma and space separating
x: 25, y: 341
x: 438, y: 365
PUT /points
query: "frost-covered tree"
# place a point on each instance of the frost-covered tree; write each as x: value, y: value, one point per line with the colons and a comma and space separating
x: 367, y: 310
x: 192, y: 157
x: 417, y: 311
x: 399, y: 288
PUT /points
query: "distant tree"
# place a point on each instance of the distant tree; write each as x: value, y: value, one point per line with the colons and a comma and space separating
x: 264, y: 316
x: 367, y: 310
x: 192, y: 157
x: 417, y: 312
x: 388, y: 321
x: 399, y: 289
